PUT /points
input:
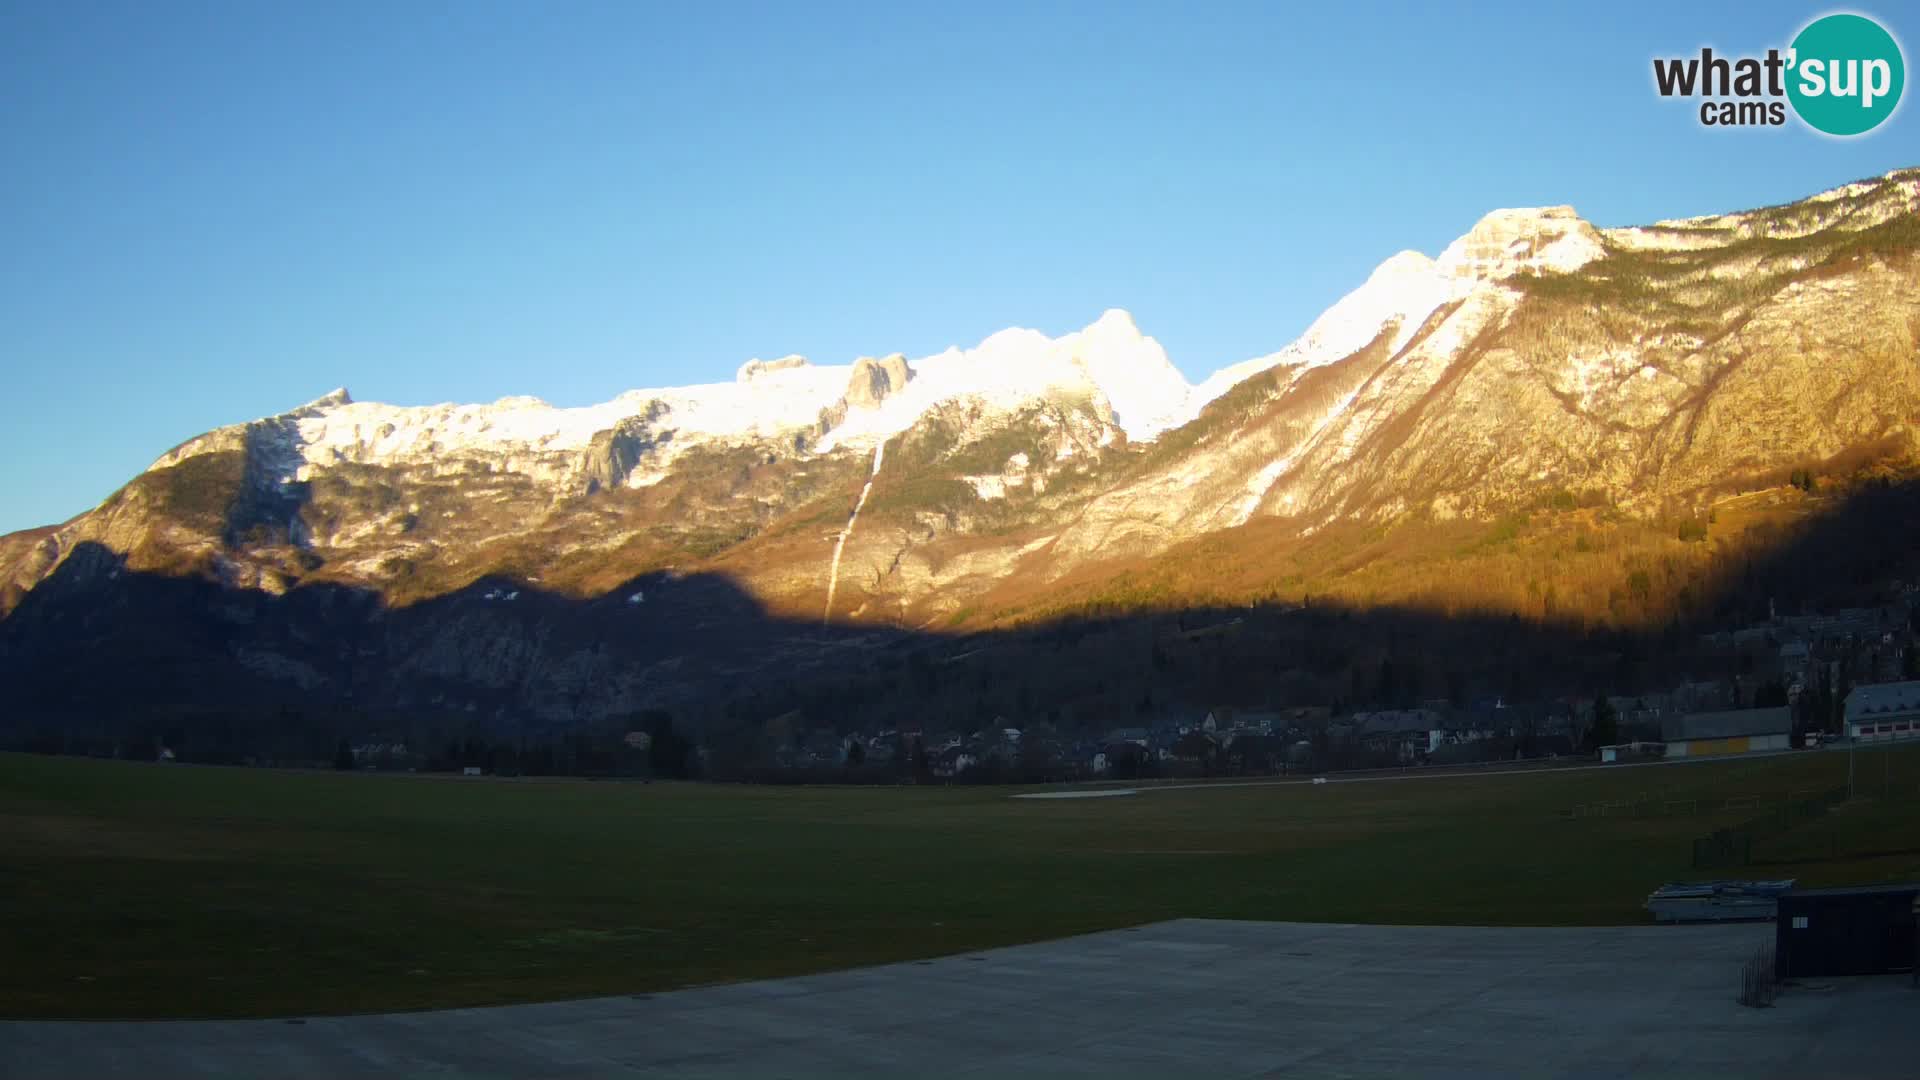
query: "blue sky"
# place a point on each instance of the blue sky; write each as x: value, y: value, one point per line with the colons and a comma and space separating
x: 215, y: 211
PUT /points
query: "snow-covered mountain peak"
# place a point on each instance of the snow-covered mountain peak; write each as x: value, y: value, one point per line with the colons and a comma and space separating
x: 1408, y: 287
x: 332, y: 399
x: 1113, y: 323
x: 1147, y: 393
x: 1401, y: 265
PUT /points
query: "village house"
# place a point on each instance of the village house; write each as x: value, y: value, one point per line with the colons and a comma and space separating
x: 1795, y: 656
x: 1455, y: 732
x: 1883, y: 711
x: 1195, y: 746
x: 951, y: 762
x: 1405, y: 733
x: 1257, y: 752
x: 882, y: 748
x: 822, y: 746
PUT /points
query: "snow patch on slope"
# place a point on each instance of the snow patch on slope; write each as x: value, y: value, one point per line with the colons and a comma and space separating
x: 1336, y: 435
x: 1261, y: 482
x: 1404, y: 290
x: 840, y: 545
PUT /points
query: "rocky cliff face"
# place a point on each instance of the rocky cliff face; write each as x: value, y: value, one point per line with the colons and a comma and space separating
x: 1650, y: 368
x: 1653, y: 369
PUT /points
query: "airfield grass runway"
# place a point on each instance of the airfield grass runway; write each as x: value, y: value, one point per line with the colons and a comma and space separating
x: 137, y: 890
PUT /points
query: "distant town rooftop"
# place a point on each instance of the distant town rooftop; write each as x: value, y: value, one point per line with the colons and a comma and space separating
x: 1884, y: 698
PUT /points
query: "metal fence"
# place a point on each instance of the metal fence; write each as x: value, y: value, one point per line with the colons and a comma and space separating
x: 1733, y: 845
x: 1759, y: 981
x: 1649, y: 806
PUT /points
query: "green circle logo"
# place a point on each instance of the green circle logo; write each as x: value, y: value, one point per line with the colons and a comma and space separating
x: 1846, y: 74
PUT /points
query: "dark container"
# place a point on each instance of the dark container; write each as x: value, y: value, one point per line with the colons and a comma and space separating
x: 1868, y: 930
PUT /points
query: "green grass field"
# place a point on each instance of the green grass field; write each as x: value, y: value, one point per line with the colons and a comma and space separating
x: 146, y: 890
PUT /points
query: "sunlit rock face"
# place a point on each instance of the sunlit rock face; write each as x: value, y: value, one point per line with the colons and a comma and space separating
x: 1533, y: 240
x: 874, y: 380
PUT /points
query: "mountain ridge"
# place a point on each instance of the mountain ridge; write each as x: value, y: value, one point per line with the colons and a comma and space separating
x: 1653, y: 368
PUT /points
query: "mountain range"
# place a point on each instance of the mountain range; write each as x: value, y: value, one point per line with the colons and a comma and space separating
x: 1625, y: 384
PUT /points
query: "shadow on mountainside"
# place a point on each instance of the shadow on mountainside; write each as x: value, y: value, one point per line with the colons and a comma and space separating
x: 105, y: 658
